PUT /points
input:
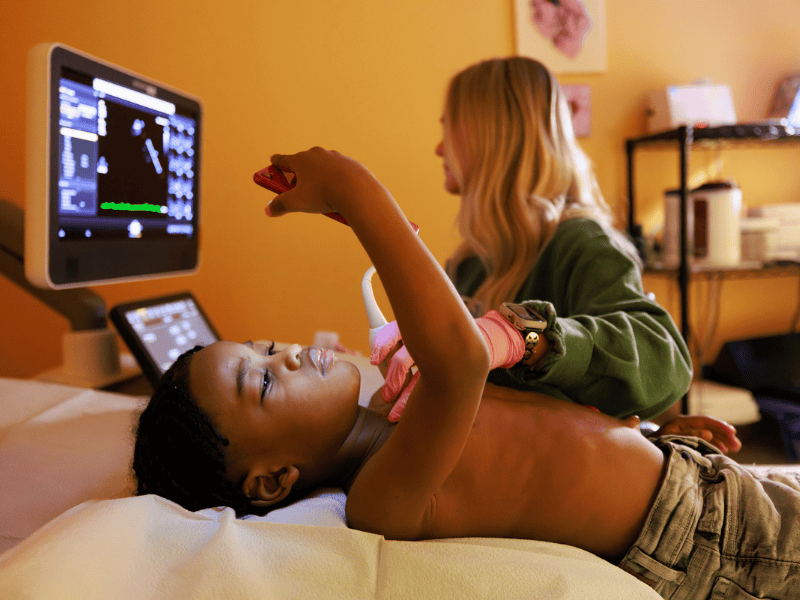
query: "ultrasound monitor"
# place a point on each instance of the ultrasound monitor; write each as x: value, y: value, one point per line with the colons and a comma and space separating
x: 112, y: 194
x: 113, y: 178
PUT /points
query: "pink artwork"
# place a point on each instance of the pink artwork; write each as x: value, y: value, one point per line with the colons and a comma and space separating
x: 568, y: 36
x: 579, y: 98
x: 563, y: 22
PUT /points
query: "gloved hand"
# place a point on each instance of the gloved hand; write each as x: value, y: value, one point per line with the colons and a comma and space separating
x: 503, y: 339
x: 398, y: 369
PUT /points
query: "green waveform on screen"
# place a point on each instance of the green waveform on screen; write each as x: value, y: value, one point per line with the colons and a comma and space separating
x: 133, y: 207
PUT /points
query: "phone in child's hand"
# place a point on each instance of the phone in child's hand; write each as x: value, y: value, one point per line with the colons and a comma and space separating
x: 274, y: 180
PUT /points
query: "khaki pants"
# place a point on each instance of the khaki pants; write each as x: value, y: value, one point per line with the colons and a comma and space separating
x: 717, y: 530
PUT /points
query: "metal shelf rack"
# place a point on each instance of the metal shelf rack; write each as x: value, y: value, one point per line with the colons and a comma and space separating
x: 684, y: 138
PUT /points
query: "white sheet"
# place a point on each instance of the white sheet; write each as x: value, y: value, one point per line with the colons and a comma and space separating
x: 150, y: 548
x: 68, y: 449
x: 57, y: 455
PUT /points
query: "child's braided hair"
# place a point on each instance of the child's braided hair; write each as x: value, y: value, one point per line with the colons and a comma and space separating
x: 178, y: 454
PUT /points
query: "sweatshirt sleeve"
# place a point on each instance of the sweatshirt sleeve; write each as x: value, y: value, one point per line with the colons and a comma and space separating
x: 613, y: 347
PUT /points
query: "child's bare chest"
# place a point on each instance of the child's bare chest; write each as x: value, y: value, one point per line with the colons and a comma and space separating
x: 527, y: 472
x: 507, y: 482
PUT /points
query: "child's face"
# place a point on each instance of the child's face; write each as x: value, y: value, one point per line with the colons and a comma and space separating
x: 289, y: 406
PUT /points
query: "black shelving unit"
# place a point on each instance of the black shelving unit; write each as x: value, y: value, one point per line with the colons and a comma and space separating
x: 684, y: 138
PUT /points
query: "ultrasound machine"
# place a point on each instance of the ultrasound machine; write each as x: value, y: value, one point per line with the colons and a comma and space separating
x: 113, y: 195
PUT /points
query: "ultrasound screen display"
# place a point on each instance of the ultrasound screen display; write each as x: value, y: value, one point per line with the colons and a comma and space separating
x: 113, y: 168
x: 127, y: 162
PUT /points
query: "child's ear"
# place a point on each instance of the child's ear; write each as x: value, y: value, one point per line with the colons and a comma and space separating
x: 266, y: 488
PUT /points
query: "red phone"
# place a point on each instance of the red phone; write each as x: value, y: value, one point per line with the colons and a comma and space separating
x: 274, y: 180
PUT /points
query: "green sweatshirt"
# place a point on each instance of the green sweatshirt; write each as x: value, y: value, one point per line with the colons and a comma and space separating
x: 613, y: 348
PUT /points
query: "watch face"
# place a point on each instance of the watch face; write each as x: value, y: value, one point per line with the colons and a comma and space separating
x: 520, y: 311
x: 524, y: 316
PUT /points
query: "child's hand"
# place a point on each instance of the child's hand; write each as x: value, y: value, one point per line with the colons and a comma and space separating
x: 716, y: 432
x: 326, y: 182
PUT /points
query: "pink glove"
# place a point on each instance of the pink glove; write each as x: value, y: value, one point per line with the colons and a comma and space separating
x: 399, y: 366
x: 503, y: 339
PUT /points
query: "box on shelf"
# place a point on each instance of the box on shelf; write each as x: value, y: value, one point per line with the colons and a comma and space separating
x: 787, y: 246
x: 759, y: 239
x: 677, y: 105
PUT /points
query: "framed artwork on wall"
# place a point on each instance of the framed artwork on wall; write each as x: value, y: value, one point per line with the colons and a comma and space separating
x: 567, y: 36
x: 579, y: 98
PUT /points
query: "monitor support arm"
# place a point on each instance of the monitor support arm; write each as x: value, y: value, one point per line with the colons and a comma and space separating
x: 81, y: 306
x: 90, y: 353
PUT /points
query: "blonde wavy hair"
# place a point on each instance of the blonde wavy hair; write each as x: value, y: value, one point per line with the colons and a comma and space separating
x: 523, y: 171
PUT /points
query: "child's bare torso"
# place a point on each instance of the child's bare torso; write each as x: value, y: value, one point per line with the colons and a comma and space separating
x: 543, y: 469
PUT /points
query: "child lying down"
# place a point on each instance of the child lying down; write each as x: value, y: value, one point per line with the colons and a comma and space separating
x: 244, y: 426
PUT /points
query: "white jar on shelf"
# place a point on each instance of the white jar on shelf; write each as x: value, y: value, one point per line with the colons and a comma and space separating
x: 716, y: 208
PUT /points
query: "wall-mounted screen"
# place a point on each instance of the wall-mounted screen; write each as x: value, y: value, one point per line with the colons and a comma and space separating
x: 113, y: 163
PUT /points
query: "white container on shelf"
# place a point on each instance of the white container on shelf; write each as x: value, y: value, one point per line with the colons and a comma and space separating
x: 716, y: 207
x: 759, y: 239
x: 672, y: 228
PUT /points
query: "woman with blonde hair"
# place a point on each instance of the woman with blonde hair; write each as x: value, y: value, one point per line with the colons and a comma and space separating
x: 536, y: 230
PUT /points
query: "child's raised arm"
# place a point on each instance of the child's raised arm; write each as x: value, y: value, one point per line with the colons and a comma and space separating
x: 394, y: 492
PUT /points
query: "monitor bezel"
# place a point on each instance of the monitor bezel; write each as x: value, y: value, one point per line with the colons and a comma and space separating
x: 48, y: 260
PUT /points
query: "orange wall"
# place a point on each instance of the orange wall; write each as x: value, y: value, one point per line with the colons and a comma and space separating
x: 367, y: 78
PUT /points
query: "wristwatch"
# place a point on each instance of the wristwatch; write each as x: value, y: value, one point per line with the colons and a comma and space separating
x: 529, y: 323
